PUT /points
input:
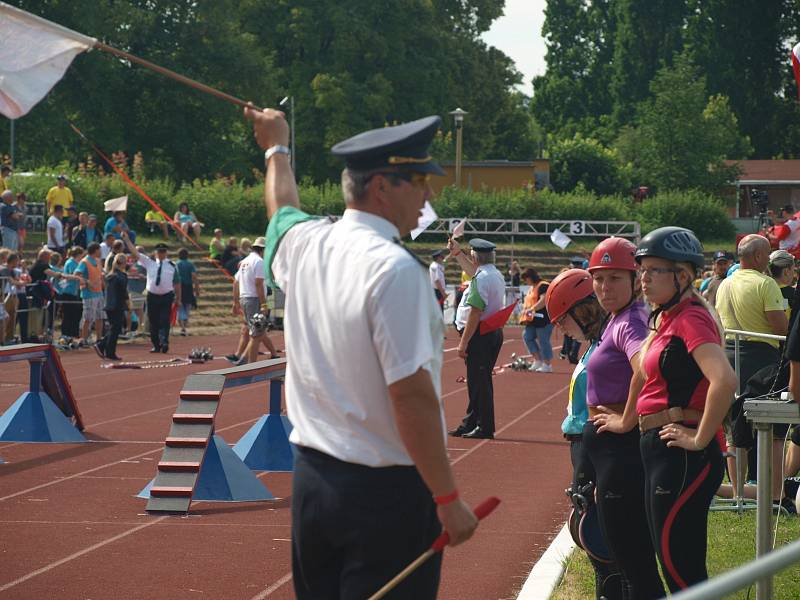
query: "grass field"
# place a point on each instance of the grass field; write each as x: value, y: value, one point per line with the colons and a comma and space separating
x: 731, y: 544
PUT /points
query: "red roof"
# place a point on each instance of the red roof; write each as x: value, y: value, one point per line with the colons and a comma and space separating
x: 768, y: 170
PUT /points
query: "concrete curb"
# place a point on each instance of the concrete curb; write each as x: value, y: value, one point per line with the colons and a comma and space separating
x: 548, y: 570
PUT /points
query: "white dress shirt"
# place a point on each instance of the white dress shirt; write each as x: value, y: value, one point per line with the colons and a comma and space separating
x: 169, y: 275
x: 359, y: 316
x: 436, y: 272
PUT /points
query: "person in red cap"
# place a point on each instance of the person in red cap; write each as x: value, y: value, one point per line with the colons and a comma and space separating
x: 573, y: 306
x: 615, y: 452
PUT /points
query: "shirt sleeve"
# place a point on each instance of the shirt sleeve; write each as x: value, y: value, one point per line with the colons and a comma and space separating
x: 698, y: 327
x: 629, y: 338
x: 474, y: 298
x: 281, y: 222
x: 400, y: 322
x: 771, y: 295
x: 176, y: 275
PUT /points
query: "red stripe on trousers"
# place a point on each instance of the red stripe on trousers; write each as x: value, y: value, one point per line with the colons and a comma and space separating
x: 673, y: 513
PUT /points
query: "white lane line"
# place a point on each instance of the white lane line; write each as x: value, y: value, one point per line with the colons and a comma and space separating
x: 274, y: 587
x: 111, y: 464
x: 510, y: 423
x: 79, y: 553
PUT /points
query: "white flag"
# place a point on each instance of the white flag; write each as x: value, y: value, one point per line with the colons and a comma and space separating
x: 34, y: 55
x: 427, y: 217
x: 560, y: 239
x: 458, y: 230
x: 115, y: 204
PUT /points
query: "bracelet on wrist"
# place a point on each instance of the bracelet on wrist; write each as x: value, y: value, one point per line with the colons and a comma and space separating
x: 444, y: 500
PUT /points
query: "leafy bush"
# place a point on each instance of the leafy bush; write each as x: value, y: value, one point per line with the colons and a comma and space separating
x: 695, y: 210
x: 238, y: 208
x: 585, y: 161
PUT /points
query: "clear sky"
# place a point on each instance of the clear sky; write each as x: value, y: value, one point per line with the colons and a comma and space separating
x: 518, y: 33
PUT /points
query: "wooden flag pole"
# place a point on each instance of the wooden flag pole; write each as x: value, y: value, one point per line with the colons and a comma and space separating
x: 176, y: 76
x: 483, y: 509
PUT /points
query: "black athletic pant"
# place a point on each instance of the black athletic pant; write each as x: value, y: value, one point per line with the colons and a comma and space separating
x: 116, y: 318
x: 159, y: 307
x: 482, y: 353
x: 356, y: 527
x: 607, y: 578
x: 679, y: 486
x: 71, y: 313
x: 620, y: 491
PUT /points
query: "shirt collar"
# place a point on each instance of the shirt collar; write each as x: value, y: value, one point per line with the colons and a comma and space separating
x: 378, y: 224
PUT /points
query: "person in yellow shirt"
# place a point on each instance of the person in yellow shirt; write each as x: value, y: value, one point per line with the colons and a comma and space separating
x: 59, y: 194
x: 5, y: 171
x: 155, y: 220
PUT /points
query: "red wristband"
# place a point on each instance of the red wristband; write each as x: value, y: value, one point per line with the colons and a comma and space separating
x: 442, y: 500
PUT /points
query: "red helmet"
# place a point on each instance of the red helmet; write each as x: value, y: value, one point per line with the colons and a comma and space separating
x: 566, y: 290
x: 613, y: 253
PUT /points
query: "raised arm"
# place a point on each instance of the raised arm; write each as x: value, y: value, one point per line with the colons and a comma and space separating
x: 131, y: 248
x: 271, y: 129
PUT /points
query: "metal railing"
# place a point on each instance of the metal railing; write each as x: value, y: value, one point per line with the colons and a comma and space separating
x: 541, y: 228
x: 744, y: 576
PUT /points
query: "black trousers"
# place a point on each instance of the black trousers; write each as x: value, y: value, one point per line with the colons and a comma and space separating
x: 482, y: 353
x: 71, y: 313
x: 159, y: 307
x: 356, y: 527
x: 607, y: 578
x: 617, y: 461
x: 116, y: 318
x: 679, y: 486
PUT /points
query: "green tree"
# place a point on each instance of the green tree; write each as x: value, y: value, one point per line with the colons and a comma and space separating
x: 647, y: 35
x: 585, y: 162
x: 574, y: 91
x: 681, y: 136
x: 742, y: 47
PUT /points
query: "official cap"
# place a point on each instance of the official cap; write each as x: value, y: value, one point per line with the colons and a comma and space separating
x: 437, y: 253
x: 161, y: 246
x: 576, y: 260
x: 481, y: 245
x: 402, y: 147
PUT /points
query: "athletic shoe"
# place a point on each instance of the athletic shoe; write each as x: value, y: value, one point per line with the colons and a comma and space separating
x: 544, y: 368
x: 232, y: 358
x: 535, y: 365
x: 98, y: 347
x: 155, y: 350
x: 241, y: 361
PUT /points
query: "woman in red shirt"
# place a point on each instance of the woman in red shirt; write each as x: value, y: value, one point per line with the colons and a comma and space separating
x: 687, y: 389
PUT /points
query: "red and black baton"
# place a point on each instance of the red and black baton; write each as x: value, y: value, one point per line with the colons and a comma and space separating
x: 482, y: 510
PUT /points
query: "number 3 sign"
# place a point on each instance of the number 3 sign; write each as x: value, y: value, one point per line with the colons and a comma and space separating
x: 577, y: 228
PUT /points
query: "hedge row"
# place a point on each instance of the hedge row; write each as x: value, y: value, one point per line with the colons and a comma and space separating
x: 236, y: 207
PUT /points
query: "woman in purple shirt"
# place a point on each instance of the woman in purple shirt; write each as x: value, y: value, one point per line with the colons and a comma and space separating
x: 615, y: 456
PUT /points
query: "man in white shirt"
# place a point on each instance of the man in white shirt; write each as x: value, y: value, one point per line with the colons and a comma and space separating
x: 436, y: 272
x: 248, y: 297
x: 163, y: 292
x: 363, y: 381
x: 106, y: 245
x: 55, y: 230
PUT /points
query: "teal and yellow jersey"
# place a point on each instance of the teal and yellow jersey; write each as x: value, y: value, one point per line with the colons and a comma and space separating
x: 577, y: 413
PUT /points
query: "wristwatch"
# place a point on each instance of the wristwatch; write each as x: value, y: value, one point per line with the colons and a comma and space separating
x: 277, y: 149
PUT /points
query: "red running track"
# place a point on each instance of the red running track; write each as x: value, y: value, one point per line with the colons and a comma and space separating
x: 72, y: 527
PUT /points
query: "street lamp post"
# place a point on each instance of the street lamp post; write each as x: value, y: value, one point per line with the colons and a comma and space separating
x: 290, y: 99
x: 458, y: 117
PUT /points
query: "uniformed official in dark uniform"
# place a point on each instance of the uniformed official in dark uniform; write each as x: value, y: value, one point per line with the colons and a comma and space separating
x: 483, y: 298
x: 372, y: 481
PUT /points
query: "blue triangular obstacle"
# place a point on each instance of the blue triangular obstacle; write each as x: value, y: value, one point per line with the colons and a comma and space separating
x: 223, y: 478
x: 34, y: 417
x: 266, y: 447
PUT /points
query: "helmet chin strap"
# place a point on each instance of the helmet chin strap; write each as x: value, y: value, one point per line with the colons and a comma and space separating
x: 676, y: 298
